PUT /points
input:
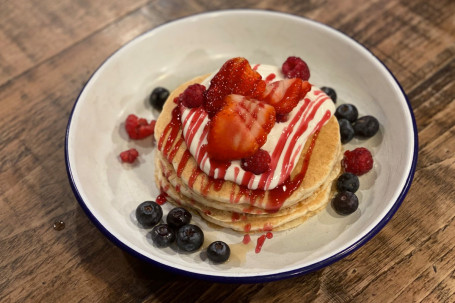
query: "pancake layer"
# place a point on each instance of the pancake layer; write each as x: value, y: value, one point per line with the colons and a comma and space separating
x: 228, y: 204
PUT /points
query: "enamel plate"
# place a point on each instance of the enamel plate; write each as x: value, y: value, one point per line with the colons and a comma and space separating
x: 173, y: 53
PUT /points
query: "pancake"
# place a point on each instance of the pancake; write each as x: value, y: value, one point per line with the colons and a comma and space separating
x: 230, y: 205
x: 211, y: 200
x: 173, y: 147
x: 285, y: 218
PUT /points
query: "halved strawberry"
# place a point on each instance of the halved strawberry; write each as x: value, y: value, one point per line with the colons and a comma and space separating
x: 235, y: 77
x: 284, y: 95
x: 240, y: 128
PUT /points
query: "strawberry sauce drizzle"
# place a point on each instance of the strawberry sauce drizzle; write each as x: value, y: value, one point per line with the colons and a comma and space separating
x: 279, y: 194
x: 183, y: 161
x: 162, y: 198
x: 246, y: 239
x: 267, y: 177
x: 261, y: 240
x: 267, y: 227
x: 270, y: 78
x: 172, y: 152
x: 193, y: 121
x: 300, y: 131
x: 259, y: 243
x: 247, y: 228
x: 276, y: 196
x: 283, y: 191
x: 171, y: 131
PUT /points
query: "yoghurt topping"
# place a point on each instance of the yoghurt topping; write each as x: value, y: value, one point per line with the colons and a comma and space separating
x: 284, y: 142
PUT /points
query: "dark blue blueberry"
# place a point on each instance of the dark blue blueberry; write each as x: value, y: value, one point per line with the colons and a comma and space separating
x: 347, y: 111
x: 366, y: 127
x: 149, y: 213
x: 163, y: 235
x: 177, y: 217
x: 218, y: 252
x: 348, y: 182
x: 346, y: 130
x: 189, y: 237
x: 158, y: 97
x: 330, y: 92
x: 345, y: 203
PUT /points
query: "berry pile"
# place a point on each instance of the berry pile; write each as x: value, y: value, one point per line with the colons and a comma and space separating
x: 137, y: 129
x: 355, y: 162
x: 178, y: 231
x: 351, y: 125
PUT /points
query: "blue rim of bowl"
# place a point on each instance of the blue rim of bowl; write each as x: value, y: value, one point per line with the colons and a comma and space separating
x: 261, y: 278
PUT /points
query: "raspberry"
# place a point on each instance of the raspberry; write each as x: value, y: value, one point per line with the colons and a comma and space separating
x: 294, y: 67
x: 193, y: 96
x: 129, y: 156
x: 358, y: 161
x: 138, y: 128
x: 258, y: 163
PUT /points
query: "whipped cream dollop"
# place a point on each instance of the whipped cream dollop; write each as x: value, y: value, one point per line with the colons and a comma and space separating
x: 284, y: 142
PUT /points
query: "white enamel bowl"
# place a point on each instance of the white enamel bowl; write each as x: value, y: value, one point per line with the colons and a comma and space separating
x: 168, y: 55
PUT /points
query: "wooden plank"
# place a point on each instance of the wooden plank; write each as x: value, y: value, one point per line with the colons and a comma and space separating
x: 31, y: 33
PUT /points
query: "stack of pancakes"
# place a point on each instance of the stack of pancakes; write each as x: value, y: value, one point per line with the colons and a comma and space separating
x: 227, y: 204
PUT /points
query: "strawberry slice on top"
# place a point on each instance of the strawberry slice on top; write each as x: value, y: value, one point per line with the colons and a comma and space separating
x: 285, y: 94
x: 239, y: 128
x: 235, y: 77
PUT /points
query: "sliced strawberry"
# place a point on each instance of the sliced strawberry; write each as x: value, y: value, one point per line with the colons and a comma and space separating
x: 240, y: 128
x: 284, y: 95
x: 235, y: 77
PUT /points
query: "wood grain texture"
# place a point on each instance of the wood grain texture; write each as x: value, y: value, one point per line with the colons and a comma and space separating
x: 49, y: 49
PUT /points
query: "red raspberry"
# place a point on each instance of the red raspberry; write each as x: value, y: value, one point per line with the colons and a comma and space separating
x: 358, y: 161
x: 193, y: 96
x: 129, y: 156
x: 138, y: 128
x: 294, y: 67
x: 258, y: 163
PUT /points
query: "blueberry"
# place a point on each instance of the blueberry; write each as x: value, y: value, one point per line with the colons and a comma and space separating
x: 189, y: 237
x: 346, y: 130
x: 163, y: 235
x: 218, y: 251
x: 366, y: 127
x: 149, y: 213
x: 177, y: 217
x: 348, y: 182
x: 330, y: 92
x: 158, y: 97
x: 345, y: 203
x: 347, y: 111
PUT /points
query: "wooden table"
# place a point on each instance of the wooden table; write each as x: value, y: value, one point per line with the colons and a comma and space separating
x: 49, y: 49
